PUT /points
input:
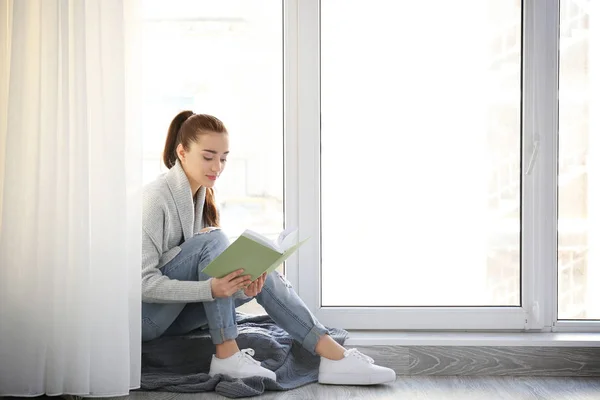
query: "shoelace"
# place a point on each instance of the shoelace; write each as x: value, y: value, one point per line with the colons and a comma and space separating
x: 359, y: 355
x: 247, y: 355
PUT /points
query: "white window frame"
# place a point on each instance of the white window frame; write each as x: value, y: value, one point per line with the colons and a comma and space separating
x: 539, y: 185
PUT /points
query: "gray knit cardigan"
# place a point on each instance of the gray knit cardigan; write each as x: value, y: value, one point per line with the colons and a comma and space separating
x: 168, y: 219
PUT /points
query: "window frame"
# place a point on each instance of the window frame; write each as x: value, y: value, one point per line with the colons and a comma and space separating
x: 539, y: 148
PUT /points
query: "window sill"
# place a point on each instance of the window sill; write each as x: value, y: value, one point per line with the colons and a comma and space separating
x: 562, y: 339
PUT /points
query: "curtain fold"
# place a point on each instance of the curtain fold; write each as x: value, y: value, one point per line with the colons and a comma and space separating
x: 5, y: 33
x: 70, y: 172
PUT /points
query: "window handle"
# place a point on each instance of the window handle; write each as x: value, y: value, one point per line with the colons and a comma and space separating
x: 534, y: 153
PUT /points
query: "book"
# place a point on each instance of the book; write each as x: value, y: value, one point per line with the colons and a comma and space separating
x: 255, y: 254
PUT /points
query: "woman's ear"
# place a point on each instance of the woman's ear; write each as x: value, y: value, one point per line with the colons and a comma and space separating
x: 180, y: 152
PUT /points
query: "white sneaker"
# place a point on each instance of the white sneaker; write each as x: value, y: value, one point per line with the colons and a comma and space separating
x: 239, y: 365
x: 354, y: 369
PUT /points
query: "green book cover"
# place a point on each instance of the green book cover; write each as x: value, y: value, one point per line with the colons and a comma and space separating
x: 255, y: 254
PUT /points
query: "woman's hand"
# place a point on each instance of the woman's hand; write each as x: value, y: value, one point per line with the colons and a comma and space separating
x: 255, y: 287
x: 229, y: 284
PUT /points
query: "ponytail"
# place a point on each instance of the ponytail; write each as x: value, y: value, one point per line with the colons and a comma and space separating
x: 174, y: 138
x: 185, y: 128
x: 210, y: 215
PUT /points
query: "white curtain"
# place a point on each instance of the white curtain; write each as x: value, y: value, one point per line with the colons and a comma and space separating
x: 70, y: 182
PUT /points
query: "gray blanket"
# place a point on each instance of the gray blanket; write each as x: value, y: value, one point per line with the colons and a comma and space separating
x: 181, y: 363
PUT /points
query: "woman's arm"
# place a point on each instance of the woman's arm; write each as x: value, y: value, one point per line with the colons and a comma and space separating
x: 158, y: 288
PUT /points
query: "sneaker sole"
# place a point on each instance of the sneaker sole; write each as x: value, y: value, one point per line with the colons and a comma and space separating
x: 239, y: 376
x: 353, y: 379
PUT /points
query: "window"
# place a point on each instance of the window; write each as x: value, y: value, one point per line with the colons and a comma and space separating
x: 579, y: 172
x: 418, y: 146
x: 431, y: 180
x: 421, y: 153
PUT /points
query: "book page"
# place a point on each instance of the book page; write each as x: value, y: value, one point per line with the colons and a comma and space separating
x: 288, y: 238
x: 257, y: 237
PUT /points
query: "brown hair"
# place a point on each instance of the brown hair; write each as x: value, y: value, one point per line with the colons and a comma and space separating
x: 185, y: 128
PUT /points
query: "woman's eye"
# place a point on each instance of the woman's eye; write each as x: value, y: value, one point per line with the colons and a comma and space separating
x: 224, y: 160
x: 208, y: 159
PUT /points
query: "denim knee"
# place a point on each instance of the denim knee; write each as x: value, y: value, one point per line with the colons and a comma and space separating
x: 196, y: 252
x: 208, y: 246
x: 213, y: 238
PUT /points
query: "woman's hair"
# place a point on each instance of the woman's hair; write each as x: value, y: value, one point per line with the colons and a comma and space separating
x: 185, y: 128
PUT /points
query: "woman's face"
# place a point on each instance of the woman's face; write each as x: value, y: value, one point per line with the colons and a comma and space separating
x: 205, y: 159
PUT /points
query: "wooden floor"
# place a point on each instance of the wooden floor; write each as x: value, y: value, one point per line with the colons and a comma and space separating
x: 430, y: 388
x: 413, y: 388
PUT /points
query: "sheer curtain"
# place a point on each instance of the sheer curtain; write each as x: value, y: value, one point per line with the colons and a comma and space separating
x: 70, y: 183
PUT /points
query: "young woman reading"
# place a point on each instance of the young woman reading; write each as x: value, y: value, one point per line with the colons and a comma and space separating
x: 181, y: 237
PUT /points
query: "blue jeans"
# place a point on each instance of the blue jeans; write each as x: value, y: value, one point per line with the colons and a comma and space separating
x: 277, y: 297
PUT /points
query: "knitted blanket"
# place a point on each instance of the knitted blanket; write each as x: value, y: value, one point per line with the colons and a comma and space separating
x: 181, y: 363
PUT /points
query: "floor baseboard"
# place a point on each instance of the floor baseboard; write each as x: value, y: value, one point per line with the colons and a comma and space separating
x: 488, y: 360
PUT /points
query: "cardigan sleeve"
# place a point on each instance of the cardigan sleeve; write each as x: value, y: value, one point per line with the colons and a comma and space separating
x: 156, y: 287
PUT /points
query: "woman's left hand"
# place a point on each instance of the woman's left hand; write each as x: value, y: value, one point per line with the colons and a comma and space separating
x: 255, y: 287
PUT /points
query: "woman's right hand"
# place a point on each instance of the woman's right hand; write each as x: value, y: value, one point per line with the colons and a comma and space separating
x: 229, y: 284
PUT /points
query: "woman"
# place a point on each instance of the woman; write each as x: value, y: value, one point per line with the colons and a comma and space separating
x: 181, y: 237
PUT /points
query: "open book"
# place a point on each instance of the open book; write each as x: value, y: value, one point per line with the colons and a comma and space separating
x: 255, y: 253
